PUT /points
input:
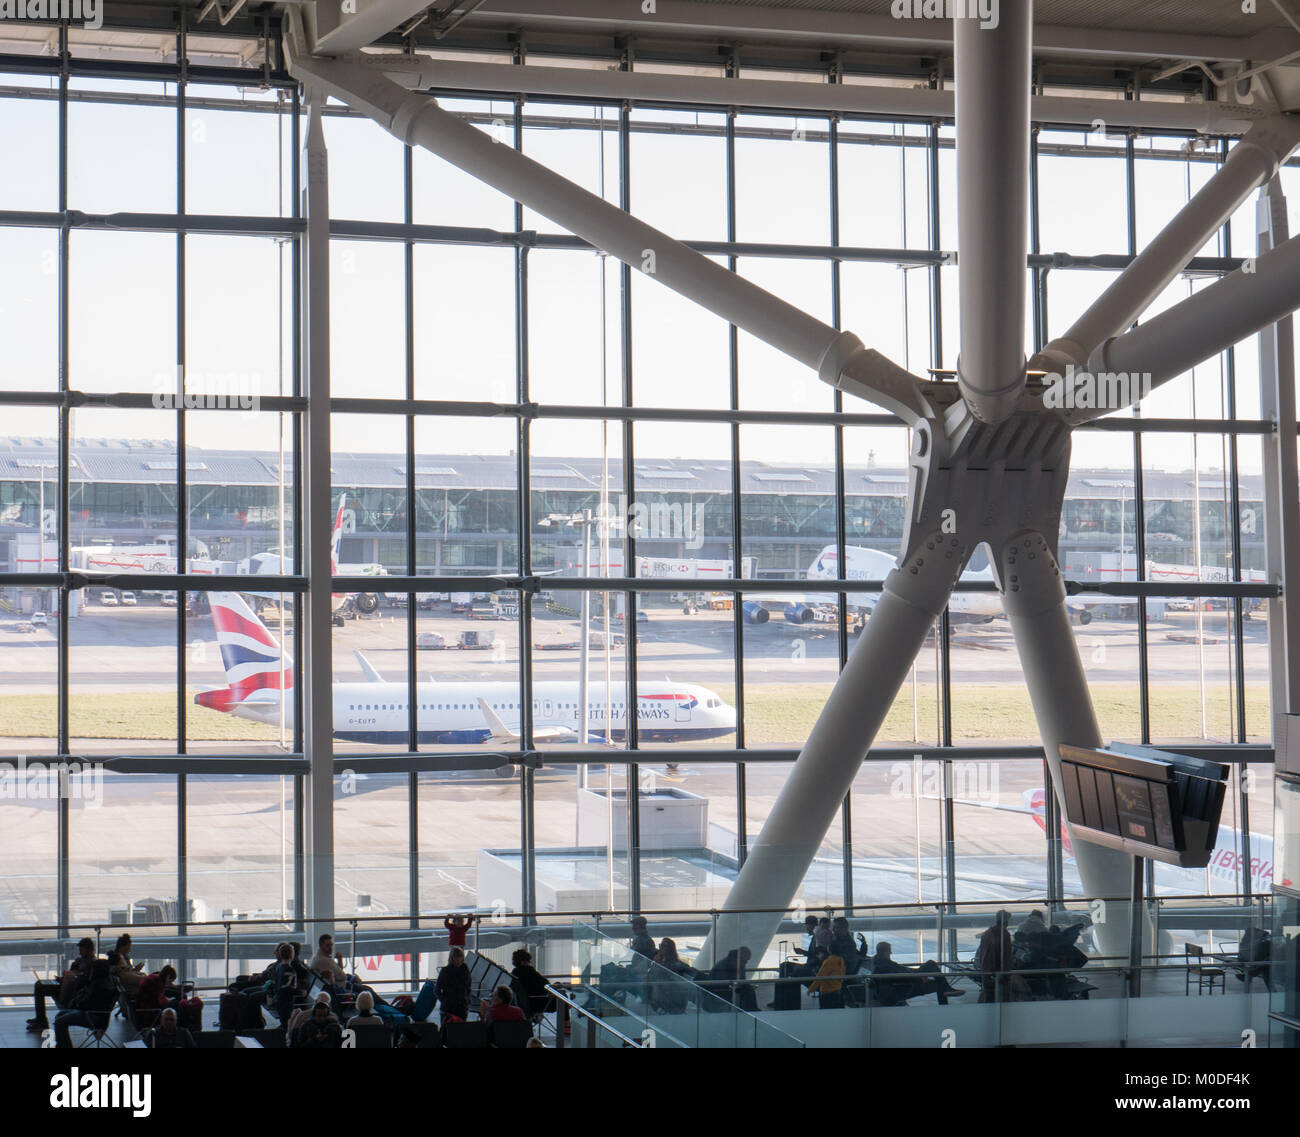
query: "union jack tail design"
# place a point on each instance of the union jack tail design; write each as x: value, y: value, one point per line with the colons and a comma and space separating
x: 249, y: 653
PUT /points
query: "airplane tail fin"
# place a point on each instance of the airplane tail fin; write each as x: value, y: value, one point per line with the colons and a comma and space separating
x: 495, y: 725
x: 249, y: 653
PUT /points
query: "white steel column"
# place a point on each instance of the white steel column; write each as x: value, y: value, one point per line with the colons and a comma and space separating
x: 993, y: 76
x: 1254, y: 297
x: 914, y: 594
x: 1281, y: 505
x: 315, y: 613
x: 1033, y: 596
x: 1251, y: 162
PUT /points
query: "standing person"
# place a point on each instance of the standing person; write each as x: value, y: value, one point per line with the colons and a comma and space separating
x: 63, y: 989
x: 285, y: 987
x: 457, y: 926
x: 451, y: 990
x: 829, y: 984
x: 842, y: 945
x: 993, y: 959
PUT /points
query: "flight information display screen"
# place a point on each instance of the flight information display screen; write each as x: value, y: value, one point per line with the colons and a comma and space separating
x: 1147, y: 802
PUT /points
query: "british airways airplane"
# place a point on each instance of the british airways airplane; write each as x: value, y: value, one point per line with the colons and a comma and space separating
x: 260, y: 689
x: 869, y: 564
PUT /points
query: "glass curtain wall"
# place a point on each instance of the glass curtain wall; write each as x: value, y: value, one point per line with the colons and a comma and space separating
x: 579, y: 484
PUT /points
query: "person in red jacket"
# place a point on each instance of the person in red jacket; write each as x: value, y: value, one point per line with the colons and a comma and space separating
x: 157, y: 991
x: 501, y: 1009
x: 456, y: 927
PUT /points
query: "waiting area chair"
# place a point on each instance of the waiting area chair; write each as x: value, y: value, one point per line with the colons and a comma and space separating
x: 1194, y: 957
x: 97, y: 1037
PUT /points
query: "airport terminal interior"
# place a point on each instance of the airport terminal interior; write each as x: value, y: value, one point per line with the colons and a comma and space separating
x: 601, y: 524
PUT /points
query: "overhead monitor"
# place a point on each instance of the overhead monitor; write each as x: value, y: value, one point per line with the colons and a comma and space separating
x: 1144, y: 801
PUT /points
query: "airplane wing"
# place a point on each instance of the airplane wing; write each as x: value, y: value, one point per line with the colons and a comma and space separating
x: 502, y: 733
x: 368, y: 669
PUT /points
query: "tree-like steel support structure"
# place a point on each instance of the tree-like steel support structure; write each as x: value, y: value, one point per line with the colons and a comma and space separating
x: 989, y: 455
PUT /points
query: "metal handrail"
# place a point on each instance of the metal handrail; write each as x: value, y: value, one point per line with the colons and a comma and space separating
x: 409, y: 922
x: 594, y: 1022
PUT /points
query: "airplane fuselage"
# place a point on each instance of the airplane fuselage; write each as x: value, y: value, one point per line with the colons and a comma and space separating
x: 449, y: 712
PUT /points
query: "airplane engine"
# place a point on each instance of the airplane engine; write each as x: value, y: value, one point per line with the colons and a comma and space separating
x: 798, y: 614
x: 754, y: 613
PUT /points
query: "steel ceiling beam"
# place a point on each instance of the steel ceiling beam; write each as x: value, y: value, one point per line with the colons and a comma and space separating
x: 333, y: 30
x: 845, y: 30
x: 421, y: 72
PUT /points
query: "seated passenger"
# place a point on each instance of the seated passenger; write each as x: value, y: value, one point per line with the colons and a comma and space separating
x: 529, y: 984
x: 669, y: 989
x: 122, y: 972
x: 169, y: 1035
x: 501, y: 1007
x: 318, y: 1031
x: 810, y: 935
x: 365, y: 1015
x: 328, y: 964
x: 641, y: 942
x: 721, y: 979
x: 62, y: 990
x: 157, y: 991
x: 895, y: 982
x: 91, y: 1005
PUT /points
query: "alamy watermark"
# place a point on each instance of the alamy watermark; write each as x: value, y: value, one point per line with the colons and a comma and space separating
x: 71, y: 780
x: 89, y: 12
x: 207, y: 390
x: 971, y: 781
x: 1100, y: 390
x: 986, y: 11
x: 657, y: 521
